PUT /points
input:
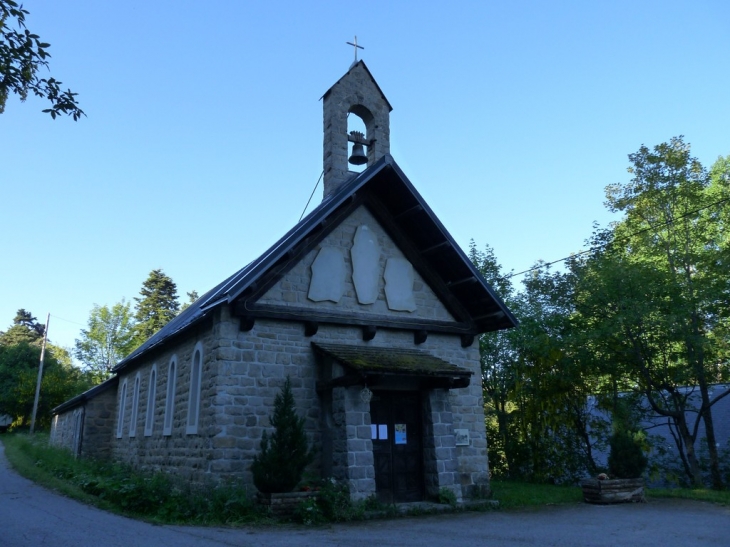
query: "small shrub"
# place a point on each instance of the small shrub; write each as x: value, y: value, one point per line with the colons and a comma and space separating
x: 280, y: 465
x: 447, y: 496
x: 334, y: 500
x: 333, y: 504
x: 626, y: 459
x: 309, y: 513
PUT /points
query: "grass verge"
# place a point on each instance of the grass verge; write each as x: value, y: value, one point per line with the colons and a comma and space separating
x: 29, y: 459
x: 155, y: 497
x: 514, y: 494
x: 163, y: 499
x: 721, y: 497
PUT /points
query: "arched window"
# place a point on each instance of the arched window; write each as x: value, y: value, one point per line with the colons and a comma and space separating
x: 135, y: 407
x: 149, y: 417
x: 196, y: 372
x: 122, y: 405
x: 170, y: 397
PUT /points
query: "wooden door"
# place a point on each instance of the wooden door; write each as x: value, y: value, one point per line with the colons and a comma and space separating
x: 397, y: 445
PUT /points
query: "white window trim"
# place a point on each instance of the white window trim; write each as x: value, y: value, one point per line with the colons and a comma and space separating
x: 135, y: 407
x: 149, y: 417
x: 196, y: 377
x: 170, y: 396
x: 122, y: 405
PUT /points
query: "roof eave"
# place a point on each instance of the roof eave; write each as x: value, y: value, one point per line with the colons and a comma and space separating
x: 86, y: 396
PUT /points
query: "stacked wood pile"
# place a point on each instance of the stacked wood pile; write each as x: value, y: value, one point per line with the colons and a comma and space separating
x: 613, y: 490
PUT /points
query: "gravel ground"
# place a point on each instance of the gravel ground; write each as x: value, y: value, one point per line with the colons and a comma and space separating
x: 32, y: 516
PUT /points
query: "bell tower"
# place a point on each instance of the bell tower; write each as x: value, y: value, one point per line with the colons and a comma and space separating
x: 358, y: 94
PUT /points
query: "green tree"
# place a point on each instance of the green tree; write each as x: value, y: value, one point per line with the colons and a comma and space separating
x: 554, y: 381
x: 655, y: 298
x: 25, y: 328
x: 192, y: 297
x: 498, y: 364
x: 156, y: 305
x: 535, y: 387
x: 19, y: 374
x: 285, y: 455
x: 110, y: 337
x: 22, y: 55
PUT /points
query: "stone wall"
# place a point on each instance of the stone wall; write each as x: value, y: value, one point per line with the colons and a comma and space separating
x: 352, y: 454
x: 253, y: 366
x: 467, y: 412
x: 293, y: 288
x: 440, y: 457
x: 99, y: 421
x: 186, y: 455
x: 66, y: 430
x: 86, y: 429
x: 243, y: 372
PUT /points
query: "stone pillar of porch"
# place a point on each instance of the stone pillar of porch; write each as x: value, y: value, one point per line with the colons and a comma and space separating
x: 352, y: 447
x: 439, y: 448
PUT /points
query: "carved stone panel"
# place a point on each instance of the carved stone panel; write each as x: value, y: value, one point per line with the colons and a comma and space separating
x: 328, y: 276
x: 399, y: 284
x: 365, y: 254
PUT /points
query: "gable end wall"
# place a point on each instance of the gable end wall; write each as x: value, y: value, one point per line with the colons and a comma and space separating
x: 292, y: 290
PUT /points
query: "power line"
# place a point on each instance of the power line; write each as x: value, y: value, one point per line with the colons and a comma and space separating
x: 67, y: 320
x: 322, y: 173
x: 625, y: 238
x: 311, y: 195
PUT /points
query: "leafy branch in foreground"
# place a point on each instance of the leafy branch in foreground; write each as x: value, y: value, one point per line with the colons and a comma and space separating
x: 22, y: 54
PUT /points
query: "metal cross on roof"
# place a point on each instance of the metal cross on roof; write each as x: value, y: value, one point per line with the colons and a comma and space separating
x: 356, y: 47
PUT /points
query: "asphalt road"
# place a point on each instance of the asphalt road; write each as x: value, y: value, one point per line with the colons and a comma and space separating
x: 31, y: 516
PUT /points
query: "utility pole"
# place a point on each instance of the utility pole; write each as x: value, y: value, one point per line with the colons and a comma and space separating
x: 40, y: 375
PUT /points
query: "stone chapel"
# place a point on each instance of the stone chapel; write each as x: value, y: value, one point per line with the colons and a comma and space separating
x: 367, y: 305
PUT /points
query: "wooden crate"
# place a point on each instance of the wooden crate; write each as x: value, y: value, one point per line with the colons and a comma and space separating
x: 613, y: 490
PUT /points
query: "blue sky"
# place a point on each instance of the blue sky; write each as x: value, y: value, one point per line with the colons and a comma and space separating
x: 203, y: 139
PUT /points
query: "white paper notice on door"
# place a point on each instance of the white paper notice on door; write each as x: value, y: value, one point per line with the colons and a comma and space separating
x: 401, y: 436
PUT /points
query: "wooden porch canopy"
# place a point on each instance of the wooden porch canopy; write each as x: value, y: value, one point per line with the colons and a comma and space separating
x: 372, y: 365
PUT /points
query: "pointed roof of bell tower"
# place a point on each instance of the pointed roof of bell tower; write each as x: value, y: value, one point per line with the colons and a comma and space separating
x: 370, y: 76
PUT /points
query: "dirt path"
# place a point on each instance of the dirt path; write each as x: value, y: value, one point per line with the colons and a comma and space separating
x: 31, y: 516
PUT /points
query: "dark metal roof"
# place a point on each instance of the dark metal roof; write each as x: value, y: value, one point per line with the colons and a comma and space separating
x: 86, y: 395
x: 403, y: 362
x: 389, y: 187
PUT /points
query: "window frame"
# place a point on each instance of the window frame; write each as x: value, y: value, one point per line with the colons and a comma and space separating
x: 170, y: 397
x: 149, y: 417
x: 122, y: 407
x: 196, y: 376
x: 134, y: 413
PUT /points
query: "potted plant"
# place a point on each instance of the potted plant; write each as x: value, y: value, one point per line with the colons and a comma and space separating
x: 626, y: 464
x: 280, y: 465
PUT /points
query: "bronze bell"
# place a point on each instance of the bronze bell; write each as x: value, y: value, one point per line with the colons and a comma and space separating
x: 358, y: 156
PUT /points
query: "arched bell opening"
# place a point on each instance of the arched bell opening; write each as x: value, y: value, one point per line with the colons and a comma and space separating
x: 359, y: 151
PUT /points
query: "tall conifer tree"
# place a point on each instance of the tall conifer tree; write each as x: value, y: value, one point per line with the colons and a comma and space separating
x: 156, y: 305
x: 25, y: 328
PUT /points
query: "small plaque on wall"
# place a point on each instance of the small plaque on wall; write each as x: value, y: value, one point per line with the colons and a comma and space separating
x: 461, y: 437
